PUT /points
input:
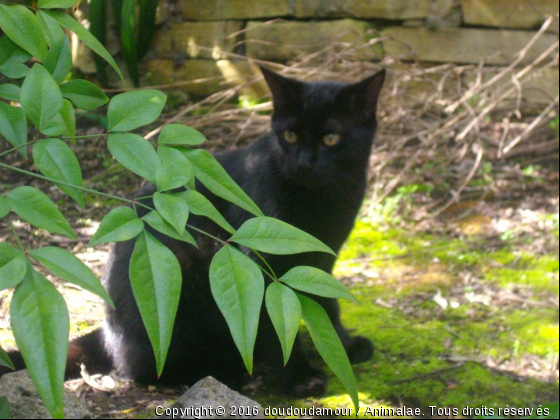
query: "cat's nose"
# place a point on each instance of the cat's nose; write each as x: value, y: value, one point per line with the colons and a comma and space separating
x: 305, y: 163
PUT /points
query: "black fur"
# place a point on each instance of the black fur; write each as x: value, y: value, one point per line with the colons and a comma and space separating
x: 309, y: 185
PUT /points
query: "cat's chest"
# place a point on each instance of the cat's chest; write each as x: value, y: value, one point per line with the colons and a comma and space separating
x: 328, y: 217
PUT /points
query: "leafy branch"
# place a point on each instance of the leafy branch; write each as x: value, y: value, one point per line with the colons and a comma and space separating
x: 39, y: 316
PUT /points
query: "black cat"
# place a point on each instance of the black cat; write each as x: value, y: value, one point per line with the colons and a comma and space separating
x: 309, y: 171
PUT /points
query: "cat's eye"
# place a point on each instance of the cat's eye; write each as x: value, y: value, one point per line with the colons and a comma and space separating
x: 290, y: 137
x: 331, y: 139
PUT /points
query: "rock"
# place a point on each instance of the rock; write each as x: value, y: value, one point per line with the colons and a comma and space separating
x: 445, y: 14
x: 463, y: 45
x: 210, y: 394
x: 234, y: 9
x: 363, y: 9
x: 508, y: 13
x: 25, y: 403
x: 205, y: 77
x: 283, y: 41
x: 193, y: 39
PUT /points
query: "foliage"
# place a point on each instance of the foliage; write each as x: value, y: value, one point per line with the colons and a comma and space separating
x: 39, y: 316
x: 135, y: 23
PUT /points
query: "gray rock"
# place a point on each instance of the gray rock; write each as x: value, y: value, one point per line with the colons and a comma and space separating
x: 25, y: 402
x: 445, y: 14
x: 211, y: 395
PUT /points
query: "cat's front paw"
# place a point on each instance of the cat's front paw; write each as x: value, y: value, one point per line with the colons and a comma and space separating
x: 314, y: 383
x: 360, y: 350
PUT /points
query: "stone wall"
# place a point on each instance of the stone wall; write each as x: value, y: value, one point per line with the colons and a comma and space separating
x: 201, y: 43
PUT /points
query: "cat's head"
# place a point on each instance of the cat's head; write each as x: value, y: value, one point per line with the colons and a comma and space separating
x: 323, y: 131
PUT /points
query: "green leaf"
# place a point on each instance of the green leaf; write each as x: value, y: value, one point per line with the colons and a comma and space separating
x: 14, y: 70
x: 136, y: 154
x: 180, y: 135
x: 56, y: 160
x: 119, y: 225
x: 131, y: 110
x: 9, y: 51
x: 50, y: 27
x: 4, y: 207
x: 13, y: 126
x: 317, y: 282
x: 10, y: 92
x: 553, y: 411
x: 54, y: 127
x: 174, y: 210
x: 328, y: 345
x: 40, y: 324
x: 6, y: 362
x: 174, y: 155
x: 86, y: 37
x: 58, y: 61
x: 276, y: 237
x: 128, y: 39
x: 85, y: 95
x: 147, y: 21
x: 13, y: 266
x: 211, y: 174
x: 284, y: 309
x: 12, y: 58
x: 157, y: 222
x: 170, y: 176
x: 21, y: 25
x: 237, y: 285
x: 40, y: 96
x: 37, y: 209
x: 66, y: 266
x: 5, y: 410
x: 201, y: 206
x: 56, y: 4
x: 69, y: 119
x: 98, y: 28
x: 155, y: 276
x: 116, y: 7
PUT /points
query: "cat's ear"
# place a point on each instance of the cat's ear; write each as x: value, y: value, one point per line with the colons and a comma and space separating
x: 284, y: 91
x: 363, y: 96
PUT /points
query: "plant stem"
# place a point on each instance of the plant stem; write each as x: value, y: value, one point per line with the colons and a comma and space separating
x: 131, y: 202
x: 7, y: 152
x: 18, y: 240
x: 207, y: 234
x: 89, y: 190
x: 66, y: 184
x: 258, y: 254
x: 87, y: 136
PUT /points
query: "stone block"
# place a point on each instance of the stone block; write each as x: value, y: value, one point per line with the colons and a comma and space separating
x: 463, y: 45
x: 363, y: 9
x: 283, y: 41
x: 205, y: 77
x: 445, y: 14
x: 197, y: 39
x: 159, y: 71
x: 508, y: 13
x: 234, y: 9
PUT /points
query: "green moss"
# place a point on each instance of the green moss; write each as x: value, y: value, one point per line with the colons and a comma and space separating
x: 412, y: 363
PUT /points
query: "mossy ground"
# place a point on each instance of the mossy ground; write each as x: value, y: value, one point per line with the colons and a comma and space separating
x: 455, y: 320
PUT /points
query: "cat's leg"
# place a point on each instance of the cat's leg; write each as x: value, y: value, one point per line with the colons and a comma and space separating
x: 359, y: 349
x: 299, y: 378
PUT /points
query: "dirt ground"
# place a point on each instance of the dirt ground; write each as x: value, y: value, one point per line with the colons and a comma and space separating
x: 462, y: 308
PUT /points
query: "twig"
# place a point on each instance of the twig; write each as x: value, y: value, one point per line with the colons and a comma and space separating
x: 532, y: 126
